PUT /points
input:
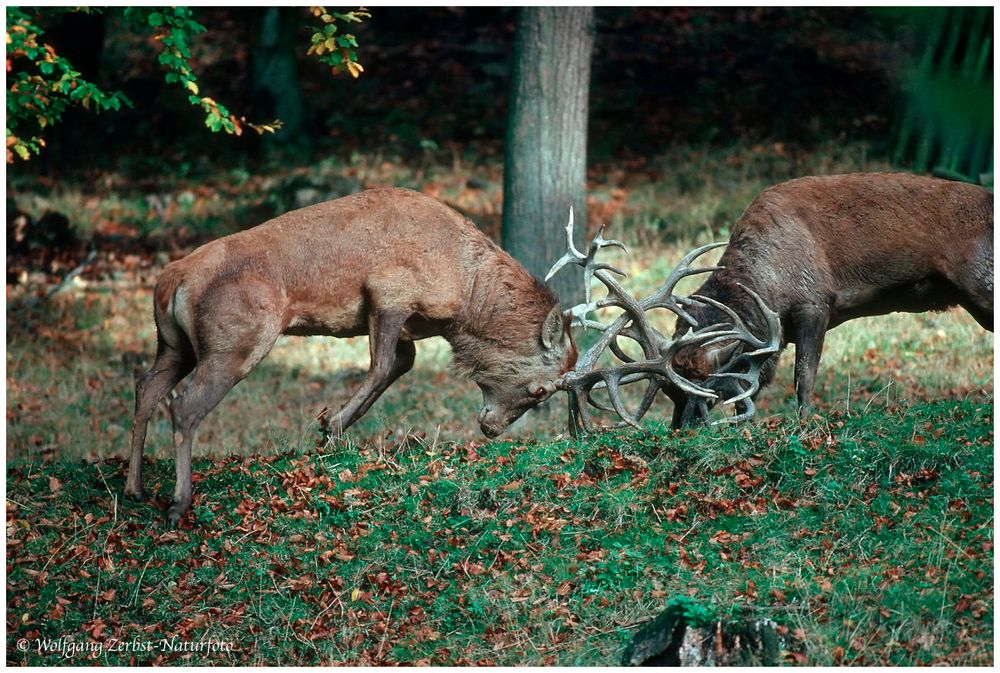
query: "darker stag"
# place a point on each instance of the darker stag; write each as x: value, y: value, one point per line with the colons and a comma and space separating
x: 390, y: 263
x: 824, y: 250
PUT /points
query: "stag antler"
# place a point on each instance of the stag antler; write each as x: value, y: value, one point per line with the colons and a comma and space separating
x: 656, y: 367
x: 760, y: 351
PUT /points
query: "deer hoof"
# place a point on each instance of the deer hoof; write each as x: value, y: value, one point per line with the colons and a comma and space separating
x: 137, y: 495
x: 174, y: 515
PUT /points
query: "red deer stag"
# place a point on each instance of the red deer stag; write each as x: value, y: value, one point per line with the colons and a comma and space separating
x: 390, y: 263
x: 824, y: 250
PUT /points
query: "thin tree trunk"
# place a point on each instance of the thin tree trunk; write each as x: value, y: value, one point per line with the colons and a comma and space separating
x: 545, y: 166
x: 276, y: 78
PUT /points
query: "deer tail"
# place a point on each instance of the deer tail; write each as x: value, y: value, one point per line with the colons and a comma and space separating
x: 172, y: 310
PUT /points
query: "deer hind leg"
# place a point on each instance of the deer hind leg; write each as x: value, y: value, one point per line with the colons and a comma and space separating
x: 236, y: 353
x: 391, y: 357
x: 975, y: 283
x: 808, y: 332
x: 170, y: 366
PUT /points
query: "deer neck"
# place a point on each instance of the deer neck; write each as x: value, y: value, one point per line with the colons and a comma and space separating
x: 502, y: 318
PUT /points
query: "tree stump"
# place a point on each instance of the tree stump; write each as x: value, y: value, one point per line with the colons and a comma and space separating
x: 672, y: 640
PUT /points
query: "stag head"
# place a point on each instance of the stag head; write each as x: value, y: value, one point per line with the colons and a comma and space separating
x: 656, y: 367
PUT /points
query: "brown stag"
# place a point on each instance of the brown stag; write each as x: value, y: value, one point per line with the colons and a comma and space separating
x: 390, y: 263
x: 824, y: 250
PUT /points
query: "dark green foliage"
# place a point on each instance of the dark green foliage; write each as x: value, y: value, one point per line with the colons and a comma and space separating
x: 173, y: 28
x: 41, y: 85
x: 947, y: 122
x: 336, y: 51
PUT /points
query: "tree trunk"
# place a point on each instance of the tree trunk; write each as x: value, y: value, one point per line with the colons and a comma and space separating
x: 275, y: 77
x: 545, y: 167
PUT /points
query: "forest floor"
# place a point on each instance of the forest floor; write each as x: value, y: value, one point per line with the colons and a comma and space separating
x: 866, y: 533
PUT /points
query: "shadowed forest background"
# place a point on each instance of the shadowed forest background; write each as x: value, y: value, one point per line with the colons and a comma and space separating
x: 866, y: 533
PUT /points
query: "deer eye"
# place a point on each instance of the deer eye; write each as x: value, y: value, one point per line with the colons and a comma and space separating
x: 540, y: 391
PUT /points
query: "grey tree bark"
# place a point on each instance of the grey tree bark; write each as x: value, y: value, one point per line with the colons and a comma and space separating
x: 545, y: 163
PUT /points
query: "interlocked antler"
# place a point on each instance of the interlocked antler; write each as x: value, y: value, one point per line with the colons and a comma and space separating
x: 760, y: 350
x: 656, y: 367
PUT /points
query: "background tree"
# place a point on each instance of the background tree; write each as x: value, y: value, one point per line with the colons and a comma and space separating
x: 275, y: 76
x: 545, y: 161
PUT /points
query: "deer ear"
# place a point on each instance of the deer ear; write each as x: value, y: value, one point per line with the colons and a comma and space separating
x: 552, y: 328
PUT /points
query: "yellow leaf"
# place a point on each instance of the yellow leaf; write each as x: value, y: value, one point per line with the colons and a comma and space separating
x: 317, y: 11
x: 192, y: 87
x: 330, y: 44
x: 354, y: 68
x: 355, y: 594
x: 43, y: 122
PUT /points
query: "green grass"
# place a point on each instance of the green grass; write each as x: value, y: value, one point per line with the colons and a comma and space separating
x: 868, y: 532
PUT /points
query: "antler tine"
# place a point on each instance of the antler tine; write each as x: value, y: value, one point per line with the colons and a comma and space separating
x: 753, y: 360
x: 734, y: 318
x: 572, y: 254
x: 647, y: 398
x: 751, y: 378
x: 770, y: 317
x: 579, y: 419
x: 764, y: 348
x: 749, y: 410
x: 683, y: 270
x: 614, y: 394
x: 601, y: 242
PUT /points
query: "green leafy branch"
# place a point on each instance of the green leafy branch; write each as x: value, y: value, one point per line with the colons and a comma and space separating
x: 173, y: 28
x: 41, y: 86
x: 336, y: 51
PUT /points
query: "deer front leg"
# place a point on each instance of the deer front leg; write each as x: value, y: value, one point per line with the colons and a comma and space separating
x: 688, y: 410
x: 391, y: 357
x: 808, y: 332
